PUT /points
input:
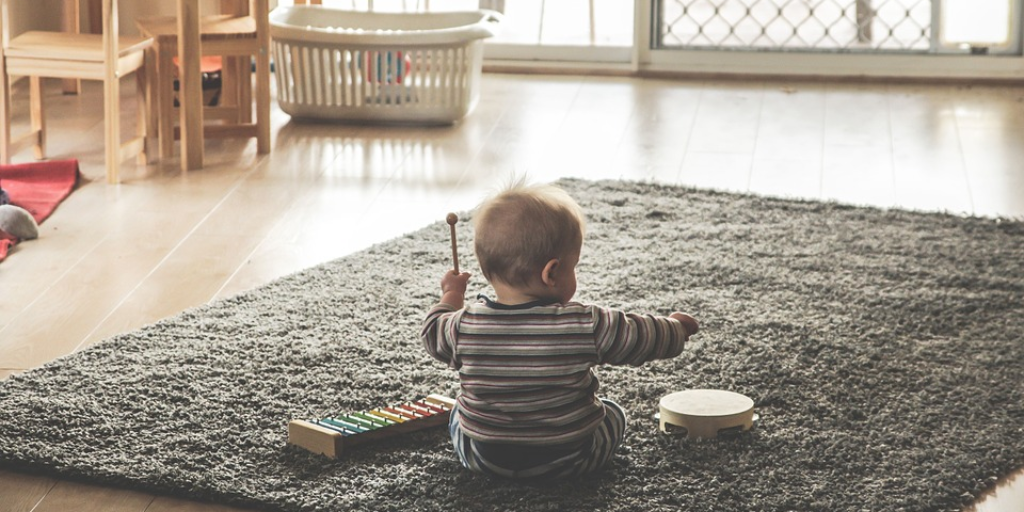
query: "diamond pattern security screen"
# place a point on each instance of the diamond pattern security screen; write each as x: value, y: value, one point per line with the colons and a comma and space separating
x: 869, y: 26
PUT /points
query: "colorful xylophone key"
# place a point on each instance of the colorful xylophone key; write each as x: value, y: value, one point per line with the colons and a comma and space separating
x: 330, y: 436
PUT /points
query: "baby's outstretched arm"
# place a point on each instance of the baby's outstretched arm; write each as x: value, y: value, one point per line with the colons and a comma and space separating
x: 453, y: 288
x: 634, y: 339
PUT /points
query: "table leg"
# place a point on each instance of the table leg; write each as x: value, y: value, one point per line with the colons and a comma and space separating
x: 70, y: 23
x: 190, y: 91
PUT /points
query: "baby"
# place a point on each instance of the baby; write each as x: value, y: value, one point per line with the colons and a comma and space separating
x: 528, y: 407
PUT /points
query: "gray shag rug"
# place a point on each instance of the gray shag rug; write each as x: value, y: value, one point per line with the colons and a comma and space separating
x: 884, y: 351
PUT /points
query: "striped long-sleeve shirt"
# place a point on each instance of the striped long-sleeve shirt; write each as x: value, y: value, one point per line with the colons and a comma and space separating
x: 525, y: 370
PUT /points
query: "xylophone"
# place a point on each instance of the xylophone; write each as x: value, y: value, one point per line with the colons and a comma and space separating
x: 331, y: 435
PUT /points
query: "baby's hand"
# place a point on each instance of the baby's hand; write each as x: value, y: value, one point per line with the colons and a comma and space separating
x: 689, y: 323
x: 453, y: 282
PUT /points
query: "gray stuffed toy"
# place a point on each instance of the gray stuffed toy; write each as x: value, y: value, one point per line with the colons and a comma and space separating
x: 18, y: 222
x: 4, y: 198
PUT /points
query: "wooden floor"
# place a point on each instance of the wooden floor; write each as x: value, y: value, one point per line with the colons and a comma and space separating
x: 113, y: 258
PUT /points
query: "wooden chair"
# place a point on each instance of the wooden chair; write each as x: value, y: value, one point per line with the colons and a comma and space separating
x: 72, y: 55
x: 238, y: 35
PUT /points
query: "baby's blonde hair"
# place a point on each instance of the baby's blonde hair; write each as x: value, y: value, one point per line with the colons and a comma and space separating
x: 523, y: 227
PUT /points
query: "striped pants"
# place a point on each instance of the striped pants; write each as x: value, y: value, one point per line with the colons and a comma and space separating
x: 590, y: 457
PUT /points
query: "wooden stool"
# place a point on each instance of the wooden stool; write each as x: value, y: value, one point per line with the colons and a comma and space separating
x: 704, y: 413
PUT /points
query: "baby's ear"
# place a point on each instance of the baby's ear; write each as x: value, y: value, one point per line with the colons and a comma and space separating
x: 547, y: 276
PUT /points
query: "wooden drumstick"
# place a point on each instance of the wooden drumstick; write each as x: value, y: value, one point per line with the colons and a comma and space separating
x: 452, y: 220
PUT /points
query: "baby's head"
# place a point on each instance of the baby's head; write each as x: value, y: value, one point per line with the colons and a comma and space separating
x: 522, y: 228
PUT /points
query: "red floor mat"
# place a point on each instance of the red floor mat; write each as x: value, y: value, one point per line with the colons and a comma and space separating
x: 37, y: 187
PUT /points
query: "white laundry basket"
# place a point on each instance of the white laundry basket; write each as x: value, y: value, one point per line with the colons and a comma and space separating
x: 378, y: 67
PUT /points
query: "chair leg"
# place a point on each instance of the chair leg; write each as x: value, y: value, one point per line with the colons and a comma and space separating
x: 243, y: 77
x: 260, y: 10
x: 165, y: 102
x: 70, y: 23
x: 262, y: 103
x: 191, y: 90
x: 149, y: 105
x: 112, y: 127
x: 38, y: 117
x: 263, y: 97
x: 143, y: 126
x: 5, y: 114
x: 229, y: 98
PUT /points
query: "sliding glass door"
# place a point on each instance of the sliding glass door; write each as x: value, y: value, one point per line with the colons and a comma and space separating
x: 892, y: 38
x: 958, y: 39
x: 856, y: 26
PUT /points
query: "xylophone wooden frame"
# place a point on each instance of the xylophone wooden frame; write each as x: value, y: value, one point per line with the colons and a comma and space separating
x: 332, y: 443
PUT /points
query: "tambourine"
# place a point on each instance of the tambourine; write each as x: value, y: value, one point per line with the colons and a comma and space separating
x: 705, y: 413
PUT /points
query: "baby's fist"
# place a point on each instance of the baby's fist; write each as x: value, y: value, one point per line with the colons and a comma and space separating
x: 455, y: 282
x: 689, y: 323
